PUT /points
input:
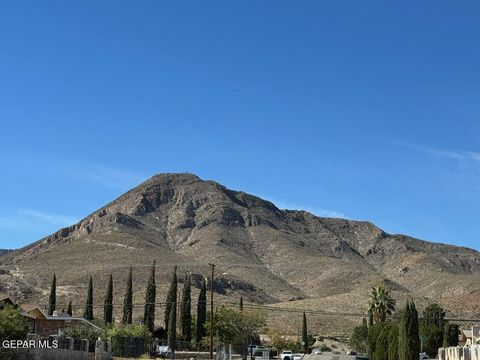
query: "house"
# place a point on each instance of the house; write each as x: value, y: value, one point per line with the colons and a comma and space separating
x: 5, y: 299
x: 470, y: 336
x: 32, y: 314
x: 42, y: 324
x: 53, y: 324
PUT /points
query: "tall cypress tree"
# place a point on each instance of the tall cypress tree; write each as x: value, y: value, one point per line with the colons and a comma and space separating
x: 150, y: 298
x: 201, y: 313
x: 171, y: 298
x: 69, y: 309
x: 88, y: 314
x: 108, y: 306
x: 408, y: 339
x: 415, y: 330
x: 52, y: 300
x: 172, y: 327
x: 186, y: 310
x: 304, y: 333
x: 128, y: 300
x: 240, y: 305
x: 393, y: 342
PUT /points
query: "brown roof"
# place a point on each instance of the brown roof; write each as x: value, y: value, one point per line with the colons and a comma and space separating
x: 28, y: 307
x: 5, y: 297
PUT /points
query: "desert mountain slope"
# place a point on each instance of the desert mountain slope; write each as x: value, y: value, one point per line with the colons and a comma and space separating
x: 265, y: 254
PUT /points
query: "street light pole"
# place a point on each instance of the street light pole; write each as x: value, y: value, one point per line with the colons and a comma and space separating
x: 211, y: 309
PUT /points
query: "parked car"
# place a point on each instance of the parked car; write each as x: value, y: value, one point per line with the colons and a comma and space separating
x: 424, y: 356
x: 351, y: 352
x: 286, y: 355
x: 361, y: 357
x: 298, y: 356
x: 164, y: 352
x: 254, y: 348
x: 317, y: 351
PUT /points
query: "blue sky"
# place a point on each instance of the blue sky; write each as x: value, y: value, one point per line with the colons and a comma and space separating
x: 367, y: 110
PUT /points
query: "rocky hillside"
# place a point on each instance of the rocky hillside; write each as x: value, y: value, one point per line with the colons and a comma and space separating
x: 3, y: 252
x: 288, y: 259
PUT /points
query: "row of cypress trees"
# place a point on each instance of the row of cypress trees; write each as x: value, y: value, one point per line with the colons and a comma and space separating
x: 170, y: 319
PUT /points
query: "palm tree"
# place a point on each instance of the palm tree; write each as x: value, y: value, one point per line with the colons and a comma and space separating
x: 380, y: 303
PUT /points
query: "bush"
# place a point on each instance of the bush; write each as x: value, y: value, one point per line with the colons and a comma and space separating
x: 83, y: 331
x: 432, y: 337
x: 358, y: 339
x: 130, y: 340
x: 450, y: 335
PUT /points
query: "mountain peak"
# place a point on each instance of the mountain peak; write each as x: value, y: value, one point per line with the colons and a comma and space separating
x: 270, y: 255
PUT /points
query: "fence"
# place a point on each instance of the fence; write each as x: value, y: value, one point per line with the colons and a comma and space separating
x: 128, y: 346
x: 471, y: 352
x: 63, y: 348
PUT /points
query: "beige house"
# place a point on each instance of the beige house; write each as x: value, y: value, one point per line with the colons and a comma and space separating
x: 470, y: 336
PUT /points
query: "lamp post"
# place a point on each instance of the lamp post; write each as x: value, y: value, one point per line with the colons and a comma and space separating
x: 211, y: 309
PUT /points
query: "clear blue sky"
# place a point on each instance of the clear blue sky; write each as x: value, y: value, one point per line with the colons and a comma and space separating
x: 363, y: 109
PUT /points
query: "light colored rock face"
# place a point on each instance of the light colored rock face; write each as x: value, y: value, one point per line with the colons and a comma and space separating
x: 268, y: 255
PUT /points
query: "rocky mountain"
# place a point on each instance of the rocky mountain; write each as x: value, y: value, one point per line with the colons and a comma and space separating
x: 286, y: 259
x: 4, y: 251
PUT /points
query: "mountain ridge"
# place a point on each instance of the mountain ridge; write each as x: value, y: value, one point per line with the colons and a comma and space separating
x: 271, y: 256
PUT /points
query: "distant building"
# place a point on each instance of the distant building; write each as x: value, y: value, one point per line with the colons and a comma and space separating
x: 57, y: 322
x: 470, y: 336
x: 42, y: 324
x: 5, y: 299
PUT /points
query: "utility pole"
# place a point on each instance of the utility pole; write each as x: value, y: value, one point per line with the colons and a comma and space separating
x: 211, y: 309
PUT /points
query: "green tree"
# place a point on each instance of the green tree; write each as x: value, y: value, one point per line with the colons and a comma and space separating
x: 119, y: 336
x: 128, y: 301
x: 304, y: 341
x: 69, y: 309
x: 358, y: 339
x: 381, y: 343
x: 80, y: 331
x: 171, y: 298
x: 108, y: 305
x: 393, y: 342
x: 52, y: 300
x: 13, y: 326
x: 434, y: 314
x: 408, y: 334
x: 150, y: 298
x: 201, y: 313
x: 240, y: 305
x: 450, y: 335
x: 432, y: 339
x: 88, y: 314
x: 380, y: 303
x: 172, y: 327
x: 238, y: 327
x: 186, y: 310
x: 372, y: 336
